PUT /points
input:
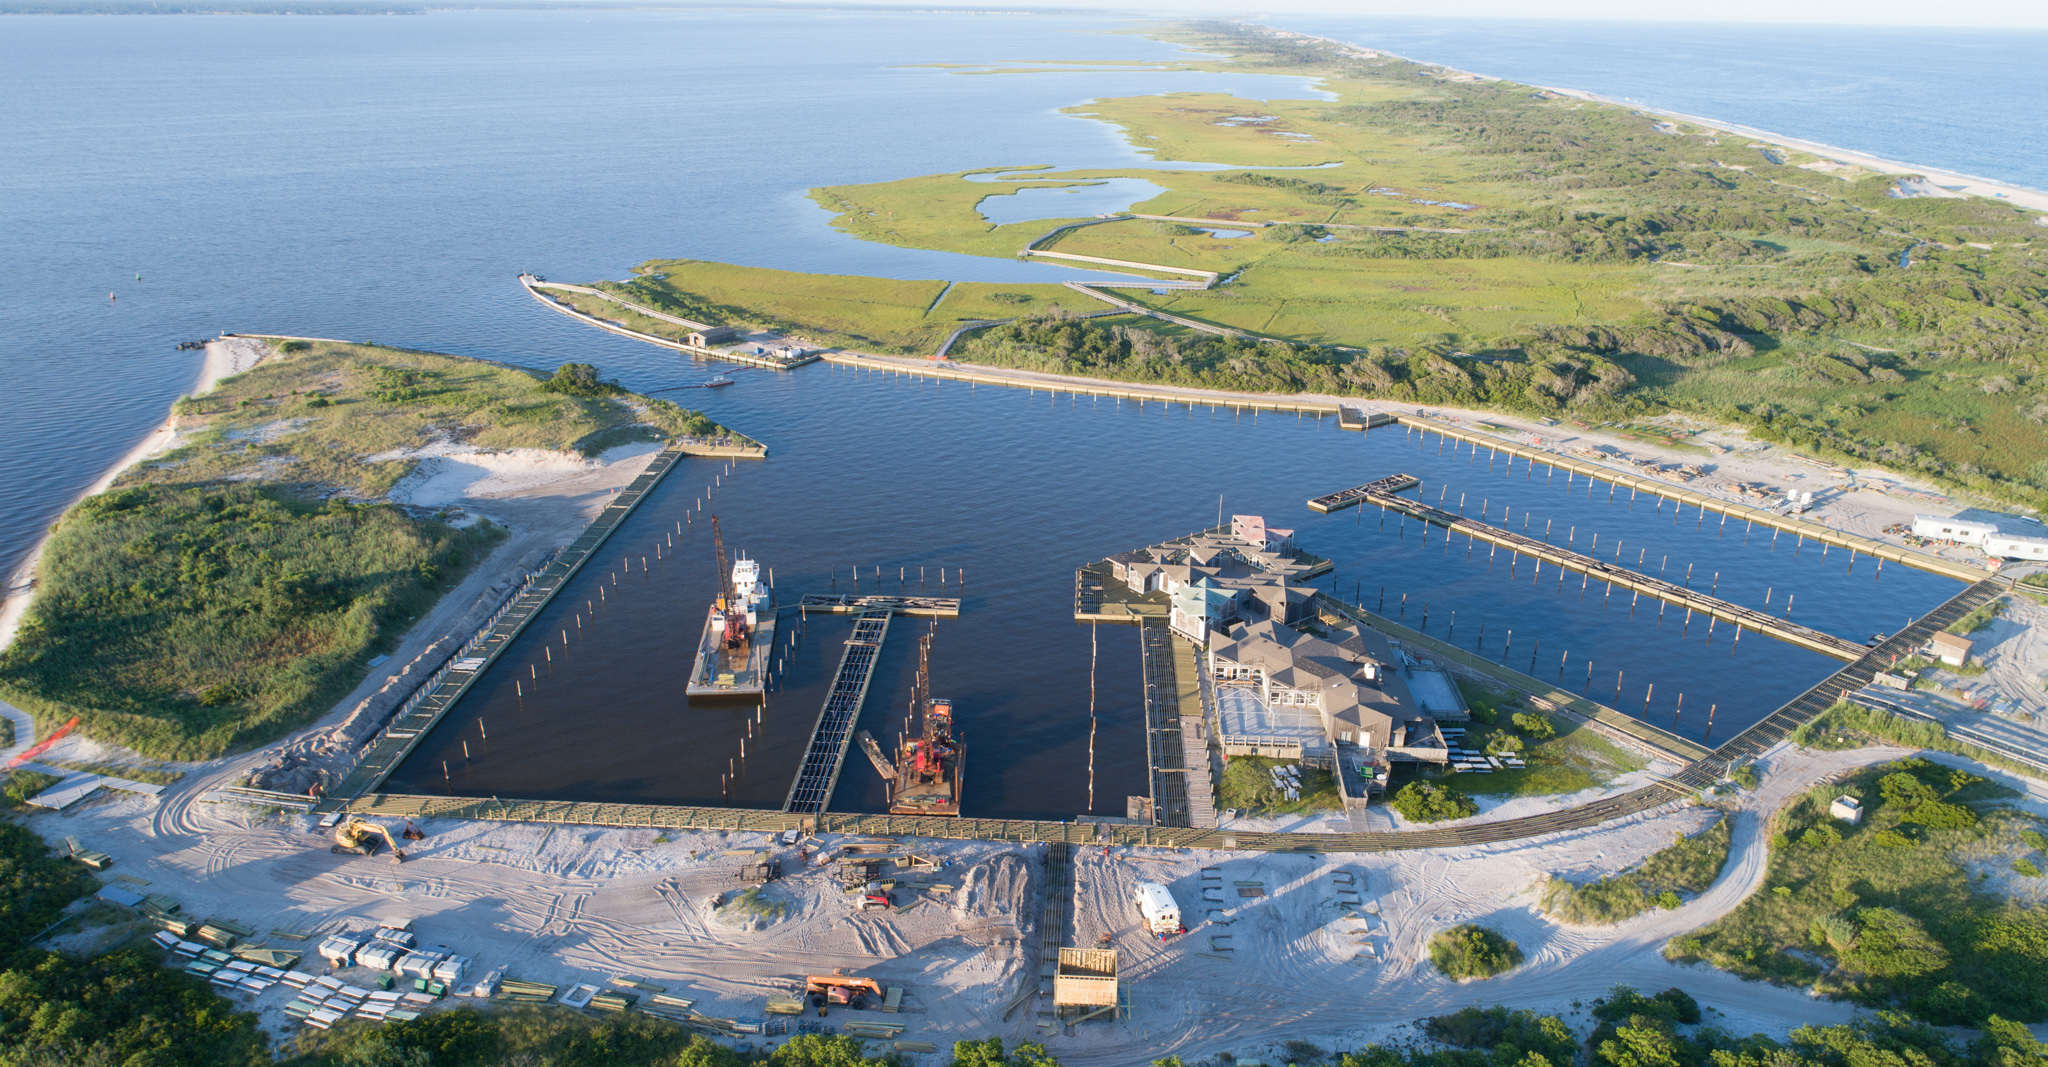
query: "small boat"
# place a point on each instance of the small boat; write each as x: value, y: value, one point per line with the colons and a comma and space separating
x: 718, y: 381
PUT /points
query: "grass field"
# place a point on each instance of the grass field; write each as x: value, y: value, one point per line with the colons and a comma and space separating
x: 1605, y: 265
x: 870, y: 314
x: 232, y: 589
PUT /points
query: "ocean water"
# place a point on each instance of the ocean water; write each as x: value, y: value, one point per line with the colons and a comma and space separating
x: 1964, y: 100
x: 384, y: 178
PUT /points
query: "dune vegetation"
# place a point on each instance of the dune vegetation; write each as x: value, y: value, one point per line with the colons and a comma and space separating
x: 1901, y: 910
x: 235, y: 587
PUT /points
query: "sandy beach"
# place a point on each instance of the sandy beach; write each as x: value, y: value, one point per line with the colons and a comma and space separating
x: 543, y: 498
x: 223, y: 359
x: 1948, y: 181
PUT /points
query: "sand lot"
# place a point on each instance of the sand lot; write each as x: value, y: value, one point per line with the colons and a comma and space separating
x: 568, y: 904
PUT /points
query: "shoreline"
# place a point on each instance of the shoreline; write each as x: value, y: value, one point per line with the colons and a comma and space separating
x: 1969, y: 184
x: 219, y: 363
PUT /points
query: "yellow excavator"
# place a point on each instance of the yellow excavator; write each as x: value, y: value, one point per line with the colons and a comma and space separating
x: 361, y: 837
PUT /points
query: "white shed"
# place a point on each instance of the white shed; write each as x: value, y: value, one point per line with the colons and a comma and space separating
x: 1848, y: 809
x: 1960, y: 531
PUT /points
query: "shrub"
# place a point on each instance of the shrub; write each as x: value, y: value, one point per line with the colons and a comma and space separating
x: 580, y: 379
x: 1430, y: 802
x: 1472, y: 951
x: 2026, y: 867
x: 1535, y: 725
x: 1690, y: 865
x: 2034, y: 840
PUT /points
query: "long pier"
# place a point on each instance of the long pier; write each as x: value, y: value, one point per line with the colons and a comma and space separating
x: 1696, y: 776
x: 404, y: 733
x: 1612, y: 573
x: 1811, y: 531
x: 819, y: 773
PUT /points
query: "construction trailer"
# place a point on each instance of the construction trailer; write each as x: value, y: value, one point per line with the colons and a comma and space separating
x: 1084, y: 985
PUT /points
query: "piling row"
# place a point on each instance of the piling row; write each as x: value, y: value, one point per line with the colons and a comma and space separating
x: 1811, y: 531
x: 1698, y: 775
x: 404, y: 735
x: 1613, y: 574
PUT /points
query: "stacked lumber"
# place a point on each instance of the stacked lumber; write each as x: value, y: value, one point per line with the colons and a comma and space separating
x: 875, y: 1030
x: 667, y: 1006
x: 98, y: 861
x: 521, y: 991
x: 614, y: 1002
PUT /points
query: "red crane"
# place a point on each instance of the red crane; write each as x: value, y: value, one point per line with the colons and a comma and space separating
x: 735, y: 619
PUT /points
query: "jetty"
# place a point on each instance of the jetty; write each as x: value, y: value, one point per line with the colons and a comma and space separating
x: 534, y: 285
x: 1379, y: 493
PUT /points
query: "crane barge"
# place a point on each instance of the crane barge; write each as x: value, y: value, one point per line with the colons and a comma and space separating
x: 739, y: 631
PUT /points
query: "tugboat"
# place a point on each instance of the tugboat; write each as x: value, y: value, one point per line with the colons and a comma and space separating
x: 739, y: 631
x: 929, y: 756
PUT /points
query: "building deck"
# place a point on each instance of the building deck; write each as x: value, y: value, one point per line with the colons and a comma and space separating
x: 923, y: 607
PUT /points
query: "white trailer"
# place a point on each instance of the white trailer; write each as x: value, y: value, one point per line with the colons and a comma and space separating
x: 1155, y: 903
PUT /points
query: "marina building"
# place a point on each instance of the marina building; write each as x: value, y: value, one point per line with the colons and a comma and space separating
x: 1284, y: 686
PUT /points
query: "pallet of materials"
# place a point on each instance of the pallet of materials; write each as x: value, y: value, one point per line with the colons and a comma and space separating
x: 878, y: 1031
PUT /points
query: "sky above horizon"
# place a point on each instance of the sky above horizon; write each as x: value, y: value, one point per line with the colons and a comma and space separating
x: 2023, y: 14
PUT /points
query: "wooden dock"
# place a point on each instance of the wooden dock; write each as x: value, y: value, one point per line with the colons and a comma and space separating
x: 1811, y: 531
x: 818, y: 775
x: 1613, y: 574
x: 1359, y: 494
x: 1698, y: 775
x: 922, y: 607
x: 405, y: 731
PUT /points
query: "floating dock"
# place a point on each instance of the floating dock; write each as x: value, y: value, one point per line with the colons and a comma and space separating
x: 922, y: 607
x: 833, y: 734
x: 1359, y: 494
x: 1611, y: 573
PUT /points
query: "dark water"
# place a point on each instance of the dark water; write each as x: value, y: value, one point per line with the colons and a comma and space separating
x: 1019, y: 489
